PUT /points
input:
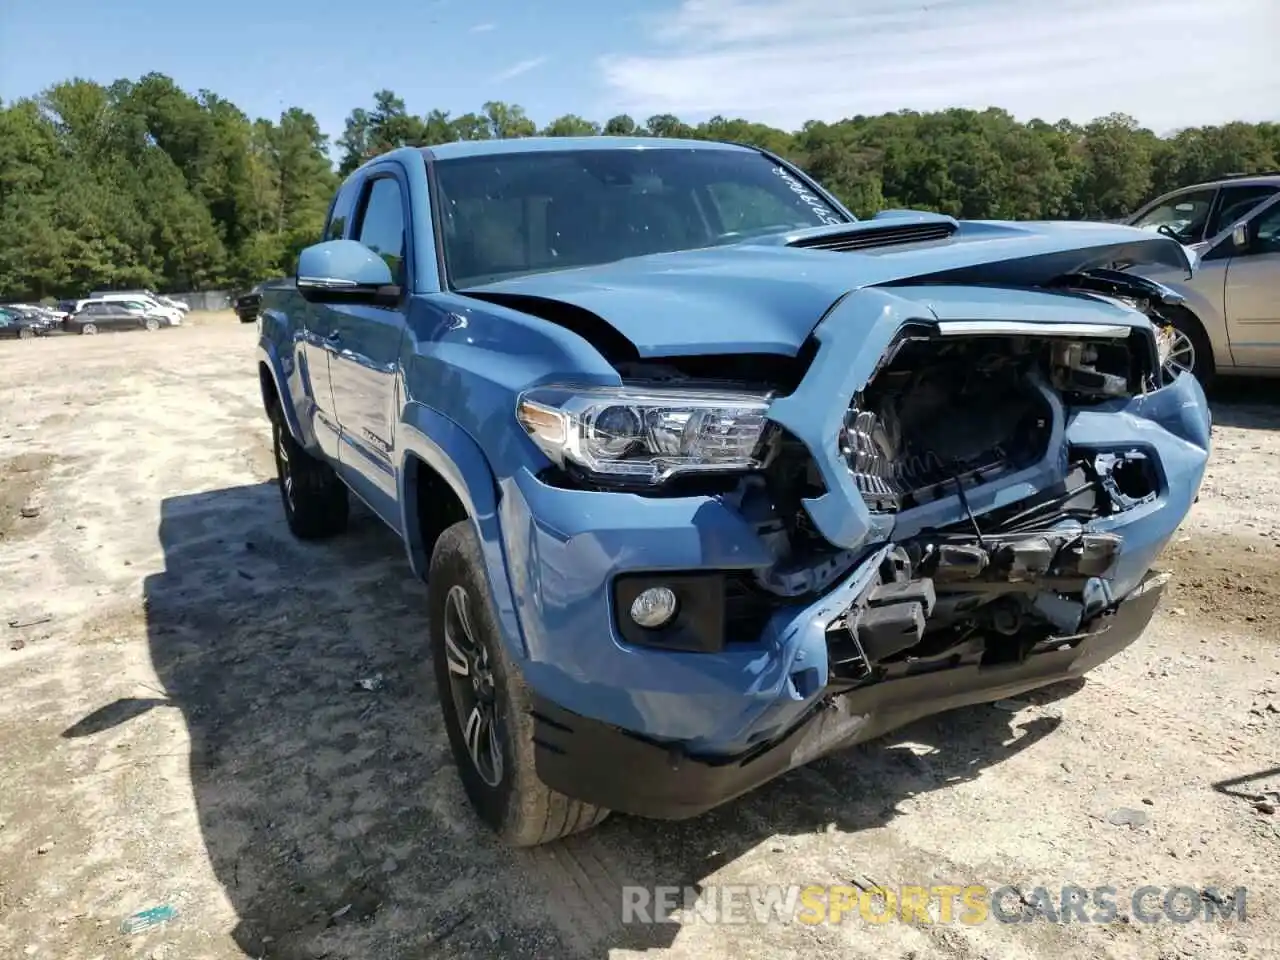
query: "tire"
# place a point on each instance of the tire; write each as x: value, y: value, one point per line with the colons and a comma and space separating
x: 25, y: 333
x: 88, y: 329
x: 505, y: 793
x: 151, y: 323
x: 316, y: 505
x: 1188, y: 327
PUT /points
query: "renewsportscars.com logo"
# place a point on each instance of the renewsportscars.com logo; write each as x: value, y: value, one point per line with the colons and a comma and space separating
x: 968, y: 904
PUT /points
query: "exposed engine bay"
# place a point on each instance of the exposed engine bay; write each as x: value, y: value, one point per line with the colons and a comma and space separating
x: 941, y: 416
x: 946, y: 414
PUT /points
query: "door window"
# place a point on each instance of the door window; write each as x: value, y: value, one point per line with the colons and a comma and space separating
x: 1183, y: 216
x: 1236, y: 202
x: 1265, y: 232
x: 382, y: 224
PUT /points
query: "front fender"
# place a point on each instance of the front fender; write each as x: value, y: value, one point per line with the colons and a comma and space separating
x: 279, y: 370
x: 452, y: 453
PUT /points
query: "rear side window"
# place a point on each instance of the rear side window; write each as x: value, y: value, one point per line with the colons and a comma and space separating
x: 382, y: 224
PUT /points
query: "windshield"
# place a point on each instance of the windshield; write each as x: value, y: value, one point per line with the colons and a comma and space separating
x: 521, y: 213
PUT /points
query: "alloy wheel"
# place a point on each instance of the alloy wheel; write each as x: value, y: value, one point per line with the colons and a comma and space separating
x: 1182, y: 352
x: 472, y: 684
x: 284, y: 466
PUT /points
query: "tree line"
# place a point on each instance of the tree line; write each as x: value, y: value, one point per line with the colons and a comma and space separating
x: 143, y: 184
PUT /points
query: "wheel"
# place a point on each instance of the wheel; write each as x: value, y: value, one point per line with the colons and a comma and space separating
x: 89, y: 329
x: 25, y: 333
x: 486, y: 706
x: 315, y: 500
x: 1189, y: 349
x: 151, y: 323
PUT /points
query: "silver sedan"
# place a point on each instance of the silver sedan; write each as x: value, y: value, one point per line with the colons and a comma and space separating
x: 1229, y: 323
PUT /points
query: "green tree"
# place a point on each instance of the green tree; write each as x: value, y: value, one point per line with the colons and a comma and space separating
x: 140, y: 182
x: 571, y: 125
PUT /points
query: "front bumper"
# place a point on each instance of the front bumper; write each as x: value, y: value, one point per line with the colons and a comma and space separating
x: 606, y: 765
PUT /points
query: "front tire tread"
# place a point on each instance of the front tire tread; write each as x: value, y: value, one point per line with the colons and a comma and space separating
x: 521, y: 809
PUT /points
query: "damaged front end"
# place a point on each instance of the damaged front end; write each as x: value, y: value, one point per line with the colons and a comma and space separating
x: 955, y: 511
x: 992, y: 489
x: 954, y: 491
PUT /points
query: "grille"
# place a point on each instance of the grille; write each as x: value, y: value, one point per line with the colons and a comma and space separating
x: 865, y: 238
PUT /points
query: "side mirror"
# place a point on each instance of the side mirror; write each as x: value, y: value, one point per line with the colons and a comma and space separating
x: 1240, y: 237
x: 345, y: 271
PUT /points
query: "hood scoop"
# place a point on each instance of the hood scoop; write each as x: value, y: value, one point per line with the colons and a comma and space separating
x: 884, y: 230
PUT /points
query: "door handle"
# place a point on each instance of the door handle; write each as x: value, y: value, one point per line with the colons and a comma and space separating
x: 334, y: 337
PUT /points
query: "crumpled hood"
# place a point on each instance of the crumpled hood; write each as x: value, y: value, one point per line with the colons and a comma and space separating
x: 765, y: 297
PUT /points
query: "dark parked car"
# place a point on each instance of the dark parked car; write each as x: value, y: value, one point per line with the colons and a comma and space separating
x: 246, y: 304
x: 37, y: 316
x: 102, y: 315
x: 14, y: 325
x: 249, y: 303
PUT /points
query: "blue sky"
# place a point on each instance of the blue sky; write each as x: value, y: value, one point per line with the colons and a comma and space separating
x: 1170, y: 63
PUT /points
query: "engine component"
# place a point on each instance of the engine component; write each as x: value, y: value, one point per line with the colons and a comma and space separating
x: 1074, y: 370
x: 945, y: 414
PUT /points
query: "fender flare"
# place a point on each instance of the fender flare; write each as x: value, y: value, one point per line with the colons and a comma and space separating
x: 270, y: 357
x: 450, y: 451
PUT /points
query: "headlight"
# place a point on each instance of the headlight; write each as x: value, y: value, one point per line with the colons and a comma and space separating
x: 646, y: 435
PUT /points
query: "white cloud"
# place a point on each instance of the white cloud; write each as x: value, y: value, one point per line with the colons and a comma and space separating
x: 483, y: 28
x: 1170, y: 63
x: 516, y: 69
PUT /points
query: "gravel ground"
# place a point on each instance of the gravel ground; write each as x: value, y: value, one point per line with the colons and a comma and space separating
x: 182, y: 725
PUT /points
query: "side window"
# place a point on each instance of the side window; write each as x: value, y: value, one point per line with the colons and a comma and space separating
x: 382, y: 224
x: 1185, y: 215
x: 340, y: 212
x: 1265, y: 232
x: 1236, y: 202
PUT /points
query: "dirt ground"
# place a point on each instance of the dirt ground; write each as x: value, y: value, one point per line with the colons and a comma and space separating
x: 183, y: 725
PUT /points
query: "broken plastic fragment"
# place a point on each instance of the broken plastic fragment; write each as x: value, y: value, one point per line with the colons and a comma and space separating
x: 146, y: 919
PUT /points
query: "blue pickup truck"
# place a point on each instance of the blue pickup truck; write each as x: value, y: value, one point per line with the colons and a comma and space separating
x: 707, y: 477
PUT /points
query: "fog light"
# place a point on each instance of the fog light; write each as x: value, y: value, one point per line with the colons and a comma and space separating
x: 654, y: 608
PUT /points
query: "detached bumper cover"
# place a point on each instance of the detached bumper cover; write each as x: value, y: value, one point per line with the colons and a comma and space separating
x: 605, y: 765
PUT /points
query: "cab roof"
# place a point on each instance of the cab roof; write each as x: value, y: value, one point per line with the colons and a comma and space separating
x: 489, y: 148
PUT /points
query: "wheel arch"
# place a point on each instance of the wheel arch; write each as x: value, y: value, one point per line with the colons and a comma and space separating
x: 445, y: 477
x: 276, y: 400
